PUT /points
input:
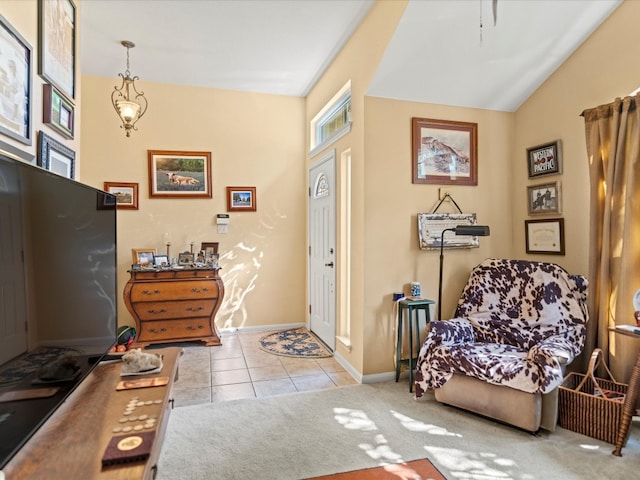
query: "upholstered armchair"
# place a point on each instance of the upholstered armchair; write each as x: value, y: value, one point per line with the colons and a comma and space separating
x: 517, y: 325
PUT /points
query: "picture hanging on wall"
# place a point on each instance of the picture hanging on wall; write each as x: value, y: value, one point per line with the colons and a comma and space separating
x: 445, y: 152
x: 177, y: 174
x: 126, y: 194
x: 545, y: 159
x: 544, y: 198
x: 15, y: 84
x: 55, y: 157
x: 241, y: 199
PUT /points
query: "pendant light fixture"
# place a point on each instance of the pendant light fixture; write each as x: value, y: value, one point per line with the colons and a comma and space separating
x: 130, y: 105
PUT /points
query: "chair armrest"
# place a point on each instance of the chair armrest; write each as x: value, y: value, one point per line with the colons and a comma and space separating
x: 557, y: 347
x: 450, y: 332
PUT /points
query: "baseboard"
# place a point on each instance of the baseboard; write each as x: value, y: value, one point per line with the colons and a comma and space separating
x: 261, y: 328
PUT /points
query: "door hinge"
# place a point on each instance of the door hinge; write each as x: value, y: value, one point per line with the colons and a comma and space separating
x: 309, y: 309
x: 309, y: 191
x: 309, y: 250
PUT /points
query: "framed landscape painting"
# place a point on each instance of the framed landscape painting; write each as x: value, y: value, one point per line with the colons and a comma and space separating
x: 126, y: 194
x: 241, y: 199
x: 177, y: 174
x: 445, y: 152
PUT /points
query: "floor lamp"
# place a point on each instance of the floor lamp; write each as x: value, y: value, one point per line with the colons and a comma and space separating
x: 466, y: 230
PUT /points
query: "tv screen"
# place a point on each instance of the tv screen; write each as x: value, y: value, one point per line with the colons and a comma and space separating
x: 57, y: 293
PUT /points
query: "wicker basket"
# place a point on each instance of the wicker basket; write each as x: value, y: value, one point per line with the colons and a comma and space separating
x: 586, y: 405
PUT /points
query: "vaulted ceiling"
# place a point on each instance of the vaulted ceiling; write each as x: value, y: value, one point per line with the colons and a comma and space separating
x: 443, y: 52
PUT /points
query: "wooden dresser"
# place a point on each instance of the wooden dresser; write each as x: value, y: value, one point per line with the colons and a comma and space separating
x: 174, y: 305
x: 72, y: 442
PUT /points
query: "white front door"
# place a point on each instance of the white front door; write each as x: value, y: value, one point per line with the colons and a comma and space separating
x: 13, y: 334
x: 322, y: 249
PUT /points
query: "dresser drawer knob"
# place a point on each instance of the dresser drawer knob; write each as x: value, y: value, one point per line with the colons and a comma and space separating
x: 191, y: 327
x: 154, y: 330
x: 194, y: 309
x: 157, y: 312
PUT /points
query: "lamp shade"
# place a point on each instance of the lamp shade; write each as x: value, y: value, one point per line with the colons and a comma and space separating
x: 472, y: 230
x: 128, y: 110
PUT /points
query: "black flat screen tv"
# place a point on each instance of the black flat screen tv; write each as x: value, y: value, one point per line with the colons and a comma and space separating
x: 58, y: 286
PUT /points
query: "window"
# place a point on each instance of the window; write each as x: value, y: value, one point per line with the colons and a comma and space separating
x: 332, y: 122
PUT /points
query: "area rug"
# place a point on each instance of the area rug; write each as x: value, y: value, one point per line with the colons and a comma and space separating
x: 21, y: 367
x: 295, y: 342
x: 416, y: 470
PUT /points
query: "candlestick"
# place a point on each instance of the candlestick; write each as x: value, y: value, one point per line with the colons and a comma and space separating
x: 168, y: 250
x: 191, y: 247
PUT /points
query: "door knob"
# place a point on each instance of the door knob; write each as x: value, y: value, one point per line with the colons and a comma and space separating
x: 330, y: 264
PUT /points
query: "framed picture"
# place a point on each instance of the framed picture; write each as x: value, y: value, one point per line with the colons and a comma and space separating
x: 15, y: 84
x: 241, y: 199
x: 444, y: 152
x: 431, y: 225
x: 143, y: 256
x: 545, y: 236
x: 126, y: 194
x: 212, y: 260
x: 57, y: 111
x: 209, y: 247
x: 161, y: 260
x: 545, y: 159
x: 57, y: 44
x: 186, y: 258
x: 544, y: 198
x: 174, y: 174
x: 55, y: 157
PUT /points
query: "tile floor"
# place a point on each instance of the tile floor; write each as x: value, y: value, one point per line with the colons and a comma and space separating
x: 240, y: 369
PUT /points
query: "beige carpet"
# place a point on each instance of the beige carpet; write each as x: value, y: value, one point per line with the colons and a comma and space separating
x: 302, y: 435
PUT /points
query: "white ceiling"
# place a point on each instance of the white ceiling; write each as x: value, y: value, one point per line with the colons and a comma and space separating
x: 438, y: 53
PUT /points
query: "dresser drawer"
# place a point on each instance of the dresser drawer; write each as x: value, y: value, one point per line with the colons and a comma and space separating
x: 174, y: 309
x: 174, y: 329
x: 158, y: 291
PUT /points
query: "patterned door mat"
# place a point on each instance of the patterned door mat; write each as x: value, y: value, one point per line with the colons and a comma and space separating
x: 416, y: 470
x: 295, y: 342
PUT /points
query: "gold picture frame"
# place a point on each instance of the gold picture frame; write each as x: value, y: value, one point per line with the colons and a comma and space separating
x: 143, y: 256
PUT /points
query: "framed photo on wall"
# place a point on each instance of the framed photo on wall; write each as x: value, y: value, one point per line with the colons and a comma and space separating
x: 55, y: 157
x: 57, y: 111
x: 57, y: 44
x: 545, y: 159
x: 545, y: 236
x: 444, y: 152
x: 174, y: 174
x: 544, y: 198
x: 241, y: 199
x: 15, y: 84
x: 126, y: 194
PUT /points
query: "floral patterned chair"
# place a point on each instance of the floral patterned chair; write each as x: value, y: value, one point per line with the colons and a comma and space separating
x: 517, y: 325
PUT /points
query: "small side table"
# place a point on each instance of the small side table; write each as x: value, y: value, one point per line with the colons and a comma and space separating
x: 629, y: 406
x: 412, y: 305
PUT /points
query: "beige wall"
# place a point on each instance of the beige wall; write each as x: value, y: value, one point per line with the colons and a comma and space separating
x: 603, y: 68
x: 262, y: 140
x: 255, y: 140
x: 393, y: 258
x: 356, y: 62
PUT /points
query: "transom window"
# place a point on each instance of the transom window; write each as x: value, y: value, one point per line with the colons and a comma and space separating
x: 333, y: 121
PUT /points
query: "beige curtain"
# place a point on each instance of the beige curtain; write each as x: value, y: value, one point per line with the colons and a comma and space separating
x: 613, y: 147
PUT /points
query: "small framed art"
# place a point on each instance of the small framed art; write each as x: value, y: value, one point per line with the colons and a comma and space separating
x: 57, y: 111
x: 545, y: 236
x: 174, y: 174
x: 57, y: 41
x: 55, y: 157
x: 445, y: 152
x: 545, y: 159
x: 544, y: 198
x: 143, y: 256
x: 126, y: 194
x: 186, y: 259
x: 161, y: 260
x: 15, y: 87
x: 241, y: 199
